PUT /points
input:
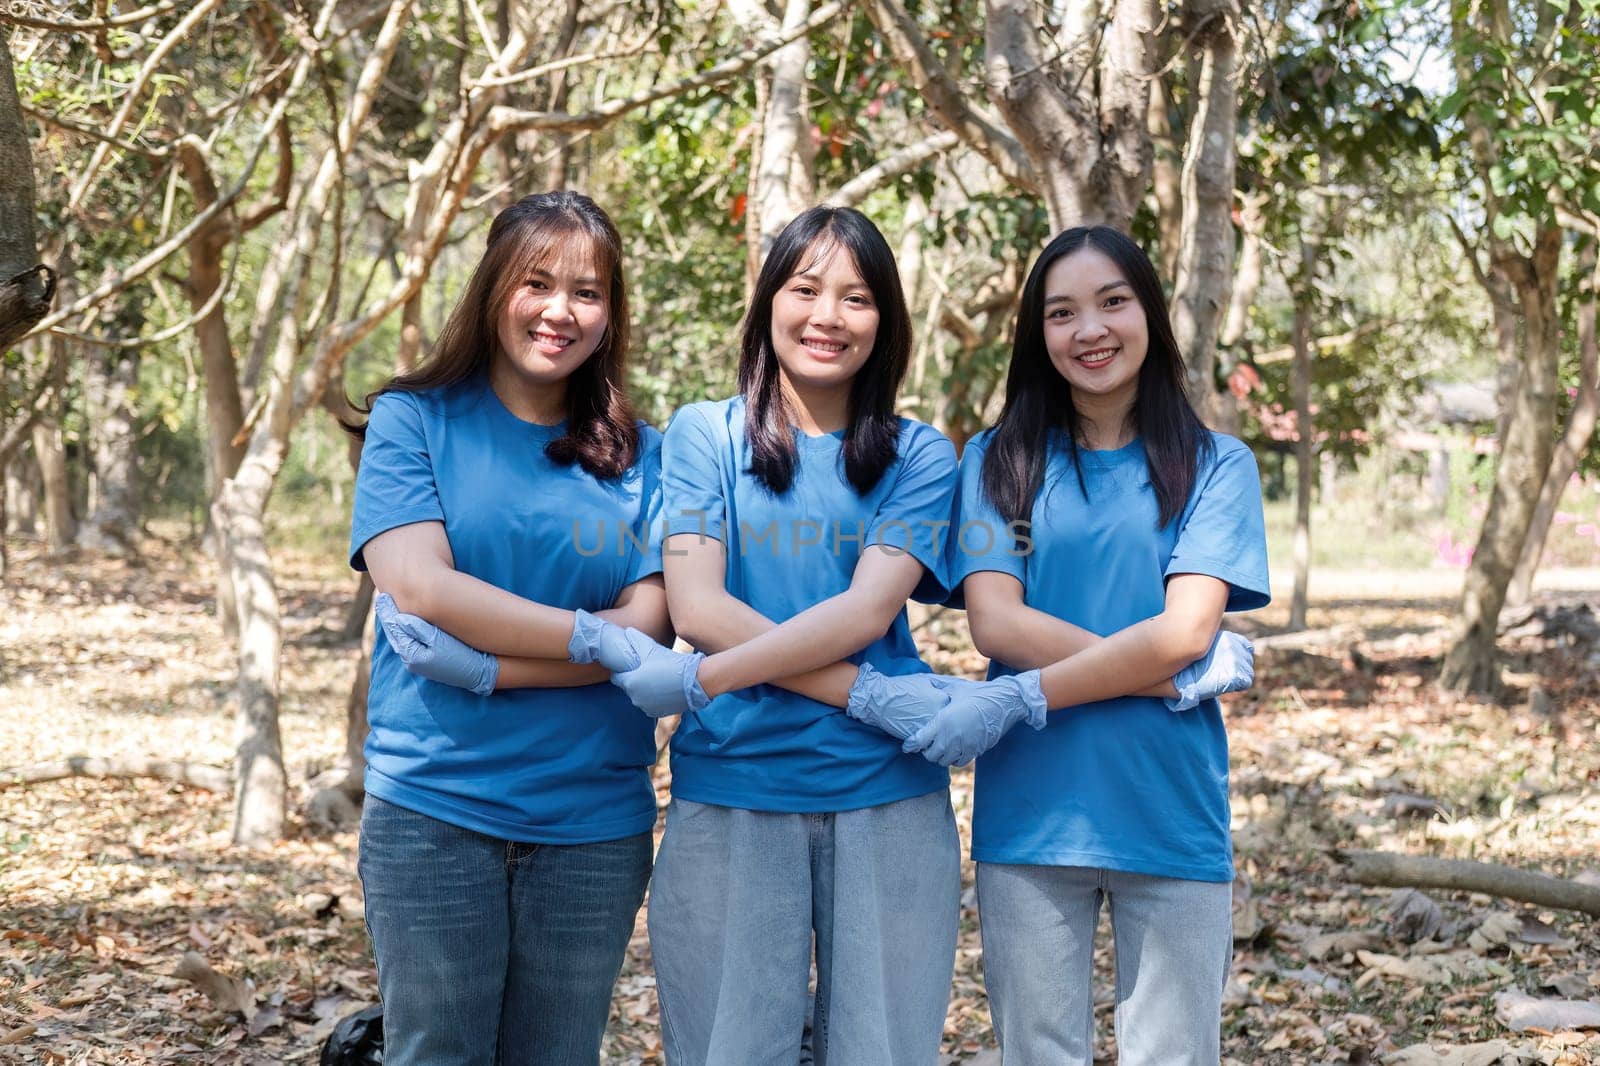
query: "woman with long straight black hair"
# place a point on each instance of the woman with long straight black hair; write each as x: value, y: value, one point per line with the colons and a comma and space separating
x: 1143, y: 528
x: 802, y: 513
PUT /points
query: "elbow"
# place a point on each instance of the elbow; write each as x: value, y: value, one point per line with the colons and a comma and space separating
x: 1190, y: 640
x: 413, y: 592
x: 985, y: 637
x: 686, y: 619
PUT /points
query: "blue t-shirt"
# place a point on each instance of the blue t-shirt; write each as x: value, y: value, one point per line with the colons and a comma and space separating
x: 1125, y: 783
x: 556, y: 766
x: 764, y: 748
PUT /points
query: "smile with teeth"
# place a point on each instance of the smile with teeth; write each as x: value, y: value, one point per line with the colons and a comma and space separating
x: 1098, y: 357
x: 553, y: 340
x: 820, y: 345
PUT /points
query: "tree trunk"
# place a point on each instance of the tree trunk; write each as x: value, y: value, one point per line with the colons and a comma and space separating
x: 111, y: 377
x: 1525, y: 453
x: 26, y: 287
x: 22, y: 495
x: 783, y: 186
x: 1205, y: 260
x: 224, y: 406
x: 49, y: 448
x: 260, y: 781
x: 1305, y: 433
x: 1166, y: 176
x: 1570, y: 450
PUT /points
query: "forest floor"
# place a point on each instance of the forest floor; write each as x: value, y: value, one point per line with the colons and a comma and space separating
x: 105, y: 884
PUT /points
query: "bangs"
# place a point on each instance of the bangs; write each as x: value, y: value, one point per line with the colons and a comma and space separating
x: 541, y: 246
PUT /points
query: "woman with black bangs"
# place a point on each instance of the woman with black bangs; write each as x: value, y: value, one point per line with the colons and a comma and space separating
x: 506, y: 837
x: 1145, y: 528
x: 802, y: 513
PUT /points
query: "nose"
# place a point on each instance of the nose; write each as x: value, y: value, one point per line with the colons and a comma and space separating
x: 557, y: 306
x: 826, y: 311
x: 1090, y: 328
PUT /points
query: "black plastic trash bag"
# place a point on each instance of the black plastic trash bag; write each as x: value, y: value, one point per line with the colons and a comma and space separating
x: 356, y: 1041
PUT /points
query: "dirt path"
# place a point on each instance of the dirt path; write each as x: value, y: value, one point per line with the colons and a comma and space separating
x: 105, y: 884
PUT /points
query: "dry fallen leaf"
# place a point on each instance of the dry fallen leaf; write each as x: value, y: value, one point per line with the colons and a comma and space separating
x: 1490, y: 1053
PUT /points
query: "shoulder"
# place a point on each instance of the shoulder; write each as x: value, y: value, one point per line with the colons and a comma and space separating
x: 977, y: 444
x: 919, y: 437
x: 649, y: 437
x: 443, y: 402
x: 1227, y: 451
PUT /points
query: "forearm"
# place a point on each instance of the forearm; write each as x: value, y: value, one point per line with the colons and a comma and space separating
x: 732, y: 623
x: 819, y: 636
x: 1030, y: 639
x: 547, y: 673
x: 1131, y: 661
x: 488, y: 617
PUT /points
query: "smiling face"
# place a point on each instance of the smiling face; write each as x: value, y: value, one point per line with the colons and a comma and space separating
x: 1095, y: 329
x: 824, y: 320
x: 553, y: 320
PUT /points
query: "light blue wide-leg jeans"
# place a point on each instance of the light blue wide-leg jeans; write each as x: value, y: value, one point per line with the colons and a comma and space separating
x: 1174, y: 944
x: 738, y: 898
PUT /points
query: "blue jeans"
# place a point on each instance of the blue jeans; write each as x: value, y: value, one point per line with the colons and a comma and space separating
x: 1174, y: 944
x: 492, y: 951
x: 738, y: 900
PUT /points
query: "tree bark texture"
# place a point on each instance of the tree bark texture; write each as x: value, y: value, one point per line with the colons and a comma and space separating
x: 1205, y: 258
x: 22, y: 494
x: 1569, y: 450
x: 26, y: 287
x: 1166, y: 176
x: 1305, y: 432
x: 1083, y: 131
x: 50, y: 452
x: 783, y: 186
x: 1460, y: 875
x: 111, y: 375
x: 1525, y: 453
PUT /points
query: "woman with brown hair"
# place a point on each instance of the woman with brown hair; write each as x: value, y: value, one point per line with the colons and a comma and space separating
x: 505, y: 844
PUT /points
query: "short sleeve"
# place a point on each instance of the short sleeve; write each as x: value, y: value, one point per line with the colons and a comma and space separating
x: 980, y: 539
x: 691, y: 477
x: 1222, y: 533
x: 646, y: 560
x: 395, y: 484
x: 915, y: 515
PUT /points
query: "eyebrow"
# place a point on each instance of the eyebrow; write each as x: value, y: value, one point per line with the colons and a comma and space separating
x: 1102, y: 290
x: 543, y: 273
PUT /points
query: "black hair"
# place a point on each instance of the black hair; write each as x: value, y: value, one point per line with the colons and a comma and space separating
x: 1039, y: 399
x: 872, y: 433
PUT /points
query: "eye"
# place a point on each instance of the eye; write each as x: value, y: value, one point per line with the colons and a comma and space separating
x: 536, y: 285
x: 588, y: 294
x: 1060, y: 314
x: 803, y: 289
x: 1116, y: 301
x: 860, y: 299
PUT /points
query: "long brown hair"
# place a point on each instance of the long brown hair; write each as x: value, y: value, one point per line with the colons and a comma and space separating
x: 601, y: 433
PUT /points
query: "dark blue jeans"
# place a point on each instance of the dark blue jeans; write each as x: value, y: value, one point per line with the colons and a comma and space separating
x: 492, y: 951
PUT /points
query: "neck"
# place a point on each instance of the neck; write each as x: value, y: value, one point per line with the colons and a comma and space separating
x: 542, y: 403
x: 817, y: 411
x: 1103, y: 421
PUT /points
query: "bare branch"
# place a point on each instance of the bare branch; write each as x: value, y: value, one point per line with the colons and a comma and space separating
x: 134, y: 91
x: 503, y: 119
x: 892, y: 166
x: 94, y: 134
x: 946, y: 98
x: 111, y: 22
x: 156, y: 256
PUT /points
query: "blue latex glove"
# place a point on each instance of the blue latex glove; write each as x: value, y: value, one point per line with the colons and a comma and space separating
x: 897, y: 704
x: 665, y: 682
x: 979, y: 714
x: 1230, y: 666
x: 430, y: 652
x: 594, y: 640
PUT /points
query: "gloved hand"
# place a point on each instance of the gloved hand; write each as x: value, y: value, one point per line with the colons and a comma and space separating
x: 665, y: 682
x: 979, y: 714
x: 898, y: 704
x: 594, y: 640
x: 430, y: 652
x: 1230, y: 666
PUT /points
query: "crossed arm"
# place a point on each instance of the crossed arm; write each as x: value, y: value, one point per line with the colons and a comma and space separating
x: 804, y: 654
x: 1077, y: 666
x: 414, y: 564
